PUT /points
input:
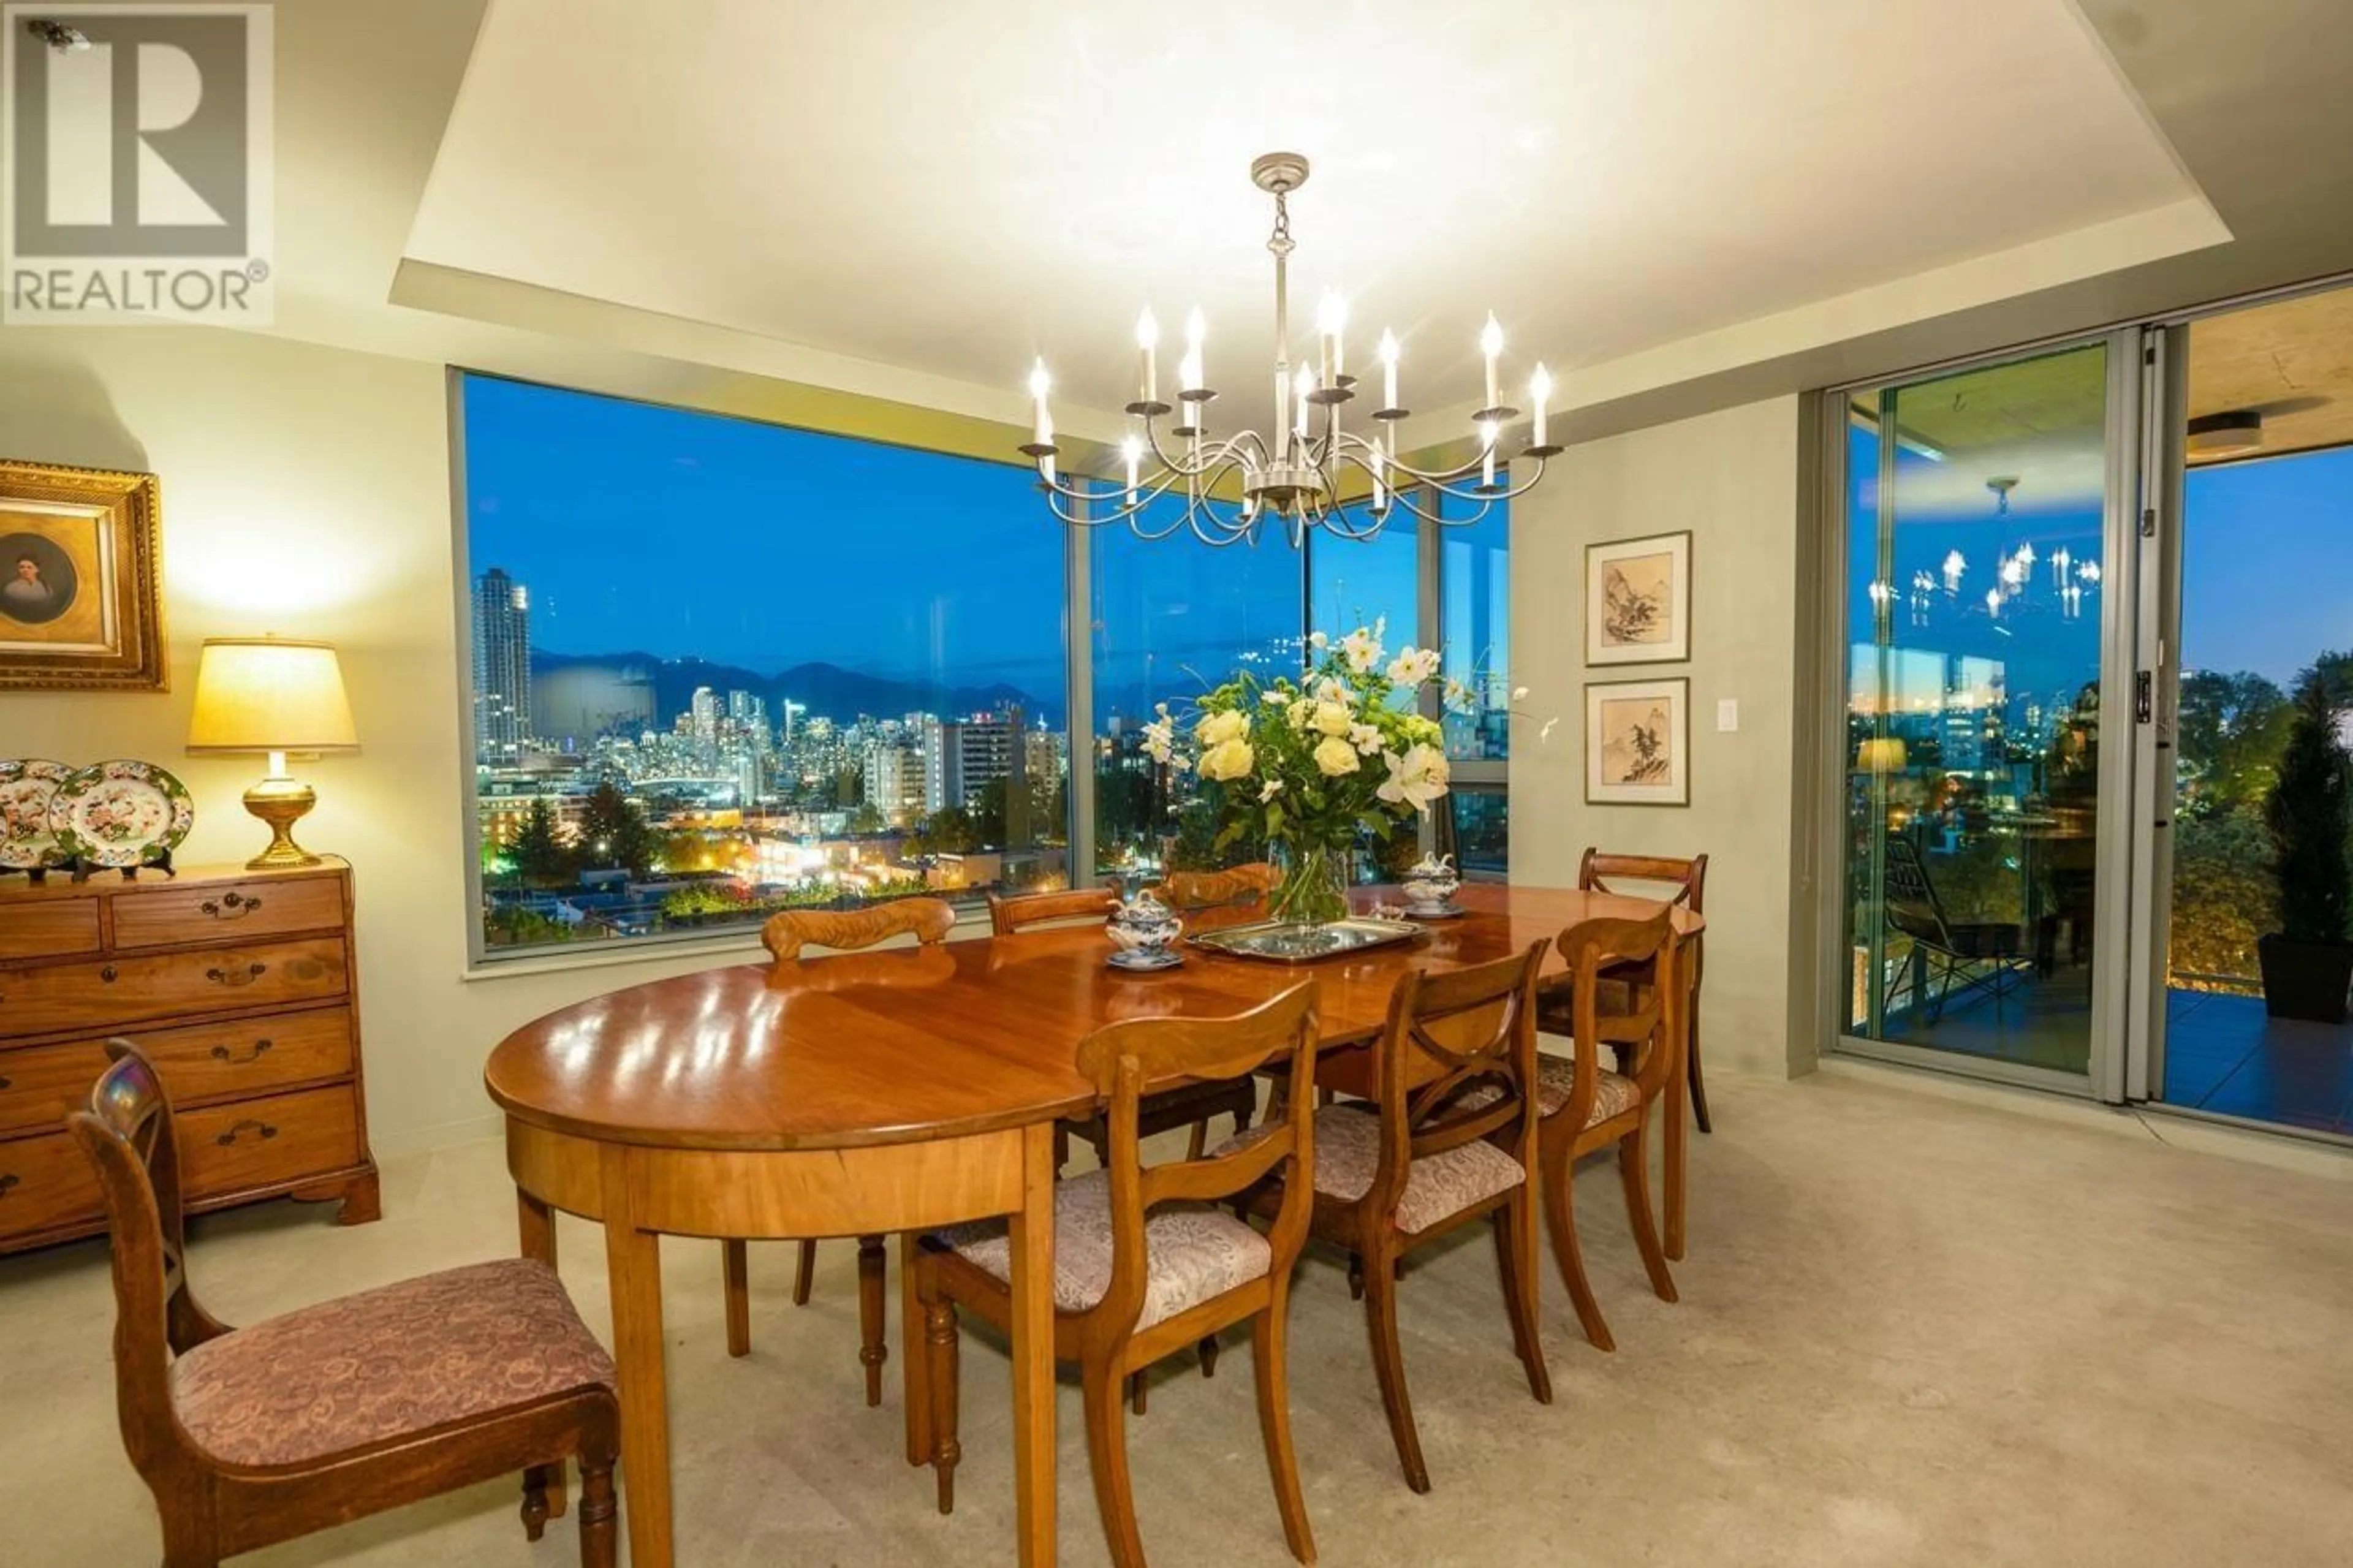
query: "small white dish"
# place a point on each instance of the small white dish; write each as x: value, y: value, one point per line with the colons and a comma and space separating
x: 1144, y: 960
x: 1433, y: 911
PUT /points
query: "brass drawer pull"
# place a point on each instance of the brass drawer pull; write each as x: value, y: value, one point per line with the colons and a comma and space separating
x: 7, y: 1182
x: 229, y: 1137
x: 223, y: 1054
x: 231, y: 907
x: 246, y: 976
x: 6, y: 1083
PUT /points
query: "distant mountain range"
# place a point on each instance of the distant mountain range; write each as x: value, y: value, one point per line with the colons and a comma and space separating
x: 589, y: 691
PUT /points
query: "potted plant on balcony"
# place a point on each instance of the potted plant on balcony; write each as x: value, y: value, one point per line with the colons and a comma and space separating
x: 1308, y: 764
x: 2307, y: 964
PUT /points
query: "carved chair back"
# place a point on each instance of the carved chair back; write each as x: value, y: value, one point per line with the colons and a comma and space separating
x: 1278, y: 1035
x: 1644, y: 952
x: 1456, y: 1062
x: 128, y: 1132
x: 1019, y: 911
x: 926, y: 919
x: 1688, y: 877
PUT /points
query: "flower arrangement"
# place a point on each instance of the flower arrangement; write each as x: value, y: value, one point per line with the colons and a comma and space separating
x: 1308, y: 763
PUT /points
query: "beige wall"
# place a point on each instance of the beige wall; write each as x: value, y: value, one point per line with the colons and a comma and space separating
x: 1733, y: 479
x: 306, y: 491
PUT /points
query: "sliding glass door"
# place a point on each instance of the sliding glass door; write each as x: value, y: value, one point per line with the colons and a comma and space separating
x: 1985, y: 670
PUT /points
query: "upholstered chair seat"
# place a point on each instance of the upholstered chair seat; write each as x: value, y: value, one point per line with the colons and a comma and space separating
x: 1193, y: 1253
x: 387, y: 1363
x: 1436, y: 1187
x: 1614, y: 1093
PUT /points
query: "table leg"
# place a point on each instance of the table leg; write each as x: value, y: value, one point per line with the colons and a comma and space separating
x: 536, y: 1223
x: 633, y: 1261
x: 914, y: 1370
x: 1033, y: 1351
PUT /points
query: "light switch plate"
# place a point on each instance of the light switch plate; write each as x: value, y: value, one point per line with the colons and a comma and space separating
x: 1728, y: 714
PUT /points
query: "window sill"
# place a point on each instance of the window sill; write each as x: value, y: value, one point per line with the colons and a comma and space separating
x: 743, y: 945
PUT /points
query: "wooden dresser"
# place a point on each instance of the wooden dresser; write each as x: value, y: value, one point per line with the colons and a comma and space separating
x: 239, y: 984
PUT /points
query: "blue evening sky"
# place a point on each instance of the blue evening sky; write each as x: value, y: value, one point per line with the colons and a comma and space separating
x: 2268, y: 555
x: 641, y: 528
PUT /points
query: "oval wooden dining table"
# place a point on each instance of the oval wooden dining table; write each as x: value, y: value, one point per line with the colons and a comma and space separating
x: 894, y: 1090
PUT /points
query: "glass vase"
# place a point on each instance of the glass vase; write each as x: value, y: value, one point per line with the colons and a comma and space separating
x: 1312, y: 885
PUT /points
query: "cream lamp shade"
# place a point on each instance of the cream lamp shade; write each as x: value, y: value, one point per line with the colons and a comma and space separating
x: 269, y: 694
x: 275, y: 694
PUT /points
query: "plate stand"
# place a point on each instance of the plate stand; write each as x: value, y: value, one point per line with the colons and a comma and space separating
x: 82, y: 869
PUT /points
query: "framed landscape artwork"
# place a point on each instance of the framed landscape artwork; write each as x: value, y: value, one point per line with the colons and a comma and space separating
x: 1637, y: 600
x: 1637, y: 743
x: 80, y: 589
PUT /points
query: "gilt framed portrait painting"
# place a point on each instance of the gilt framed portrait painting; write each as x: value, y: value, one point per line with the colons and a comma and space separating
x: 81, y: 580
x: 1637, y: 600
x: 1637, y: 743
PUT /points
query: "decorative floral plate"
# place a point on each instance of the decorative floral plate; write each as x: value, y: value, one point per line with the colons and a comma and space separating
x: 121, y: 813
x: 26, y: 784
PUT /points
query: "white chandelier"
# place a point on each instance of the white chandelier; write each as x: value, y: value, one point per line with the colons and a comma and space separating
x: 1300, y: 474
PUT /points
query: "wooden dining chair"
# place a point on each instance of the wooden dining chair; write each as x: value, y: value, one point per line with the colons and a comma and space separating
x: 250, y: 1436
x: 1689, y: 880
x: 1450, y: 1137
x: 1586, y: 1106
x: 1189, y: 1105
x: 787, y: 936
x: 1244, y: 884
x: 1143, y: 1265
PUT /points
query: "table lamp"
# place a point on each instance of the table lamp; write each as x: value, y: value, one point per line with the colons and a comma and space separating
x: 273, y: 695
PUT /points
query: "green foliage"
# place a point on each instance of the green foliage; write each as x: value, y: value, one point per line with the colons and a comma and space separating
x: 2231, y: 730
x: 866, y: 818
x: 517, y: 927
x: 540, y: 859
x: 613, y: 832
x: 2224, y: 899
x: 2308, y: 815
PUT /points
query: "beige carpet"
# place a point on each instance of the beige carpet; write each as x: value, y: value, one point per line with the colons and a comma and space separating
x: 1915, y: 1331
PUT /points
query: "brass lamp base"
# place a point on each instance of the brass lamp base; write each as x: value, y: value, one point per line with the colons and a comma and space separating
x: 281, y: 803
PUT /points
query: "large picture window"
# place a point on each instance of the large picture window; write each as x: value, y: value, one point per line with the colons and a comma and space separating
x: 723, y: 667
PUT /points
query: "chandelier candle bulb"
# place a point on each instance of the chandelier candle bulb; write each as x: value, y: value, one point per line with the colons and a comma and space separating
x: 1039, y: 381
x: 1133, y: 449
x: 1488, y: 431
x: 1331, y: 321
x: 1147, y: 341
x: 1388, y: 351
x: 1304, y: 384
x: 1539, y: 393
x: 1491, y: 345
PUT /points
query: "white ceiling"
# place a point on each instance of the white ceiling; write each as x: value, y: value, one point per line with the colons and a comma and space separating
x: 965, y: 186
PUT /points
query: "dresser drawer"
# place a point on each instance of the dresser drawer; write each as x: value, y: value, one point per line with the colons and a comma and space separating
x: 124, y: 991
x: 44, y: 1181
x: 49, y: 928
x: 277, y: 1137
x: 228, y: 912
x: 203, y: 1061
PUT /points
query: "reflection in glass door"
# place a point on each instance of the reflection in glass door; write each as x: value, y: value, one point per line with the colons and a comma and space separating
x: 1975, y: 588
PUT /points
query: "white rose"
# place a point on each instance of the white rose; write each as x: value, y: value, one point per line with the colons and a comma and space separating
x: 1335, y: 756
x: 1332, y: 718
x: 1227, y: 760
x: 1300, y: 712
x: 1217, y: 729
x: 1318, y: 641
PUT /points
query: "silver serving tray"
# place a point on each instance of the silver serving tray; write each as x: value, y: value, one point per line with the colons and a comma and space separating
x: 1289, y: 942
